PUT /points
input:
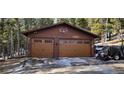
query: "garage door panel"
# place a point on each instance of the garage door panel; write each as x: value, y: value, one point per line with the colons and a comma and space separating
x: 42, y: 48
x: 67, y: 48
x: 74, y: 48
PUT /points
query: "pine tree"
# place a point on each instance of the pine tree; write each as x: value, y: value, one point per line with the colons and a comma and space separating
x: 61, y: 20
x: 72, y: 21
x: 82, y: 22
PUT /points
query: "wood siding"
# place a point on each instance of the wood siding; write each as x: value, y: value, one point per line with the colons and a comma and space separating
x: 57, y: 46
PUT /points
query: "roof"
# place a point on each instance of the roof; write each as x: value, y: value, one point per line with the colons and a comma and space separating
x: 75, y: 27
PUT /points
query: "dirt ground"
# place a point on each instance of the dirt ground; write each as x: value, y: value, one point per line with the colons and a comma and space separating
x: 82, y: 65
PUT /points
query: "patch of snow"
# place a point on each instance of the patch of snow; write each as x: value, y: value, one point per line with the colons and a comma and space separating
x: 1, y: 58
x: 66, y: 62
x: 103, y: 69
x: 63, y: 62
x: 18, y: 68
x: 28, y: 65
x: 38, y: 65
x: 78, y: 60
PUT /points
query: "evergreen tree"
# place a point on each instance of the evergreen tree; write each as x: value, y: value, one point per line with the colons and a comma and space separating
x: 72, y: 21
x: 61, y: 20
x: 82, y: 22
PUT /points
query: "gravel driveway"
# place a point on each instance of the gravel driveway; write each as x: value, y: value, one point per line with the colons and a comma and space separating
x: 65, y: 65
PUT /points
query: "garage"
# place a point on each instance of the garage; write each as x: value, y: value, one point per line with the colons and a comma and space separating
x: 60, y: 40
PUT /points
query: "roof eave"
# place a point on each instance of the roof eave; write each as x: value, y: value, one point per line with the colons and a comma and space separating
x: 84, y: 30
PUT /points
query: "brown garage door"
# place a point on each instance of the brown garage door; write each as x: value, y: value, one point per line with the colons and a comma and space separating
x: 74, y: 48
x: 42, y: 48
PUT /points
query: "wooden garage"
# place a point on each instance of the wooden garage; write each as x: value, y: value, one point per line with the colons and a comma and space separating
x: 60, y: 40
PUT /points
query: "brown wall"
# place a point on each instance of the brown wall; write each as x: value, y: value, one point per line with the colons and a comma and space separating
x: 55, y: 32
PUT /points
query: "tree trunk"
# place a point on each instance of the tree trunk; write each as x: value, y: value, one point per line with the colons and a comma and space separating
x: 0, y: 42
x: 0, y: 45
x: 1, y: 38
x: 18, y: 37
x: 12, y: 44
